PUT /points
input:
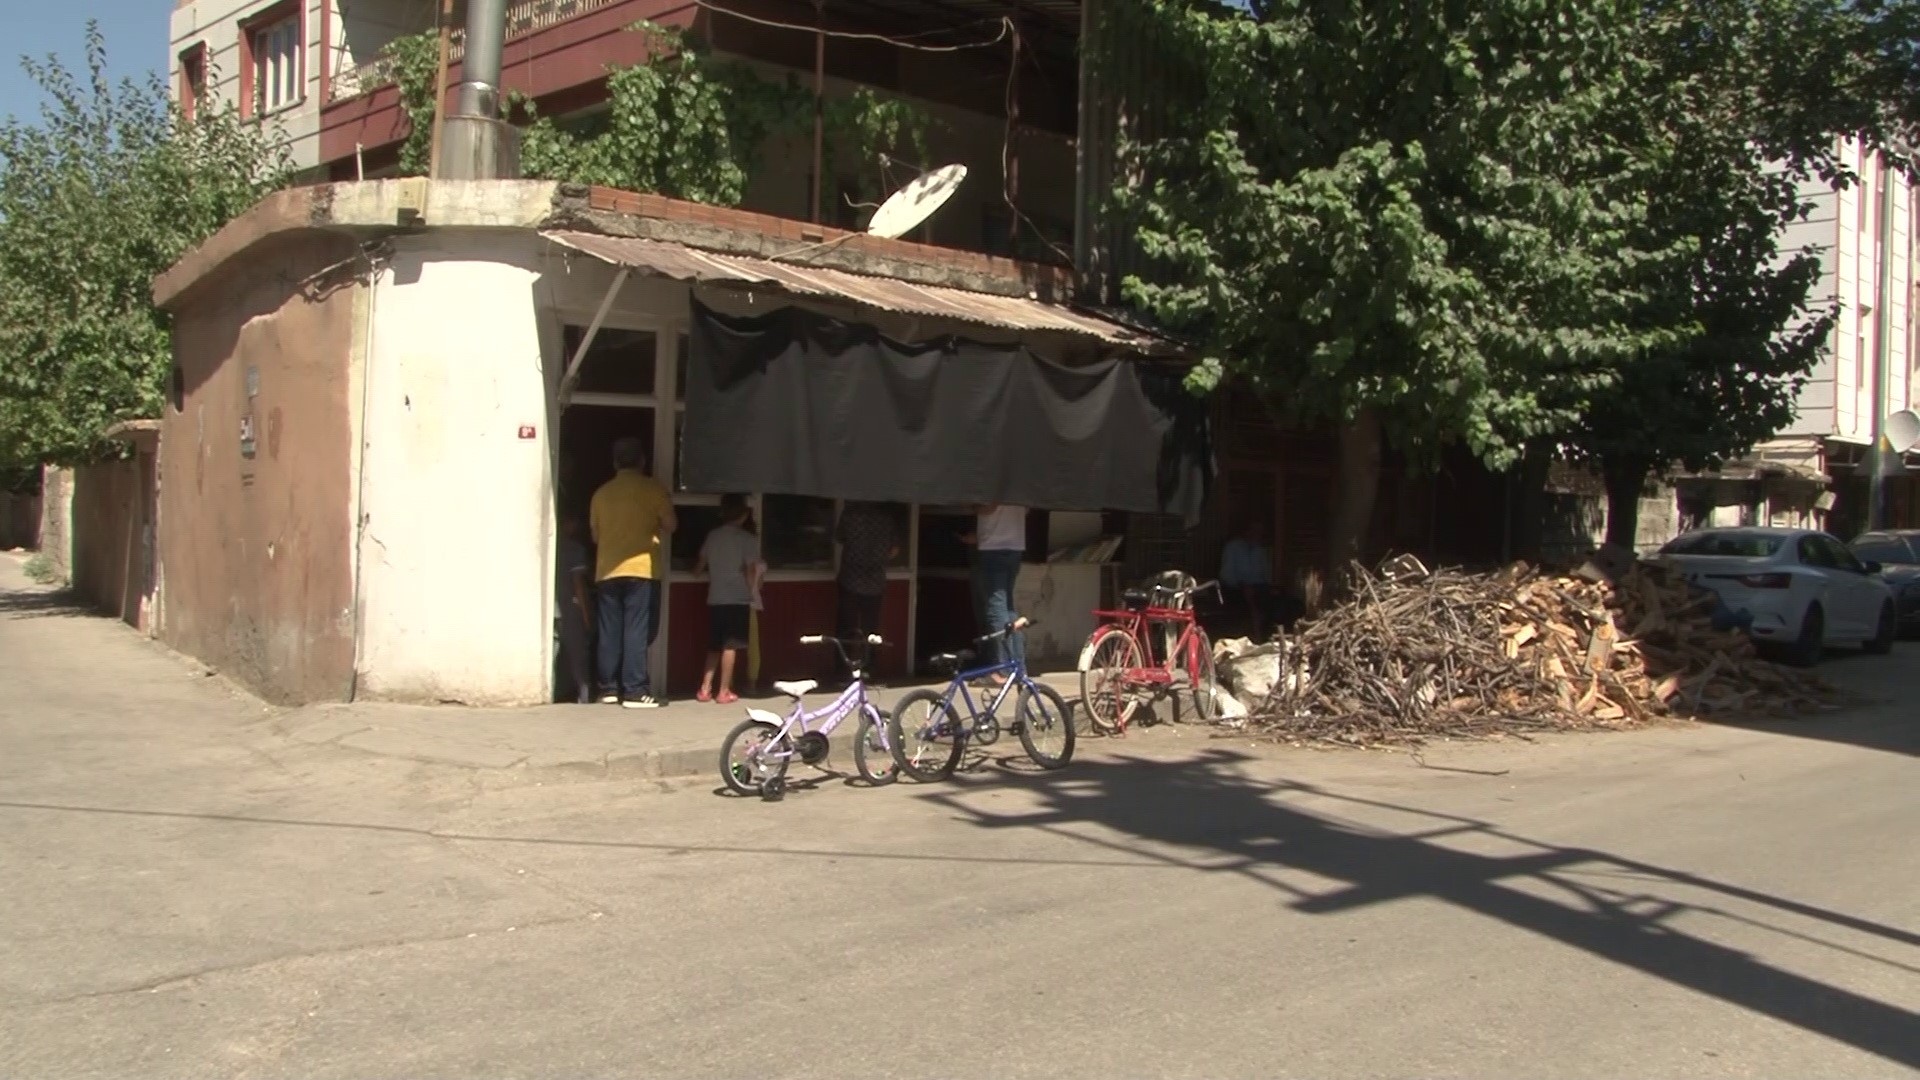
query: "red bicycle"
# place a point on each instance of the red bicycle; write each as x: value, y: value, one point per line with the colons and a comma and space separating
x: 1153, y: 648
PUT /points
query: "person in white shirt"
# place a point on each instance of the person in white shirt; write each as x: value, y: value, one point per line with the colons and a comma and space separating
x: 1000, y: 542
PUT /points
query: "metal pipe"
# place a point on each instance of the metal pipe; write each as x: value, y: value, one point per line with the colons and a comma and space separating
x: 819, y: 105
x: 479, y: 91
x: 1882, y: 331
x: 1083, y: 222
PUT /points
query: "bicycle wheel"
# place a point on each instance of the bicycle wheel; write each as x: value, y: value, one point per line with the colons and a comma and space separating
x: 752, y: 756
x: 1201, y: 676
x: 1104, y: 682
x: 871, y: 754
x: 1046, y: 726
x: 926, y: 736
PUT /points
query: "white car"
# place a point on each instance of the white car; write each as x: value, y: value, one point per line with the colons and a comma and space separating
x: 1803, y: 590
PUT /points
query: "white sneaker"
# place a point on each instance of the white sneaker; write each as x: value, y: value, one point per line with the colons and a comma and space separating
x: 644, y: 701
x: 609, y: 699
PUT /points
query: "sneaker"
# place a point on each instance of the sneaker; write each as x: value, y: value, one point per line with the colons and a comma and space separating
x: 644, y: 701
x: 609, y: 699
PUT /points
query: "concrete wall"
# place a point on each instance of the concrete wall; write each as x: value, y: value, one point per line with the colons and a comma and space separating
x: 255, y: 540
x: 456, y: 541
x: 113, y: 538
x: 56, y: 519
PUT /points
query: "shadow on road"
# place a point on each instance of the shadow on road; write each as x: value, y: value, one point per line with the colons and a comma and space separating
x: 1885, y: 712
x: 43, y: 604
x: 1205, y: 814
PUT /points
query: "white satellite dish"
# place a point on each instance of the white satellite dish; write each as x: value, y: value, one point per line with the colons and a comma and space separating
x: 1903, y: 430
x: 905, y: 209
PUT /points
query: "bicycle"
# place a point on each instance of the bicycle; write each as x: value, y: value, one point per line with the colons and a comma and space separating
x: 929, y: 738
x: 768, y: 743
x: 1118, y: 665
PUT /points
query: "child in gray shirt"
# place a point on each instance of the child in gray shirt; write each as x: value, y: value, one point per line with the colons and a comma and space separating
x: 731, y: 558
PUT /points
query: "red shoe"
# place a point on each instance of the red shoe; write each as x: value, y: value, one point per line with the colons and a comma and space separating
x: 727, y: 697
x: 703, y: 695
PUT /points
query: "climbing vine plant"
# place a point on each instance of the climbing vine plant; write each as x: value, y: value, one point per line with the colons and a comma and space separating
x: 687, y: 124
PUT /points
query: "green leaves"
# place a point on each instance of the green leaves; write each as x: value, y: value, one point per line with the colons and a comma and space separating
x: 109, y: 187
x: 686, y: 124
x: 1509, y: 222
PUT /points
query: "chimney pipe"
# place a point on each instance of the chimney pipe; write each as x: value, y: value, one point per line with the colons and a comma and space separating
x: 477, y: 144
x: 479, y: 91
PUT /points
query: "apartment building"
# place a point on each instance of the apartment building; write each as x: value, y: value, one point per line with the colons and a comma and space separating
x: 1865, y: 236
x: 1000, y: 91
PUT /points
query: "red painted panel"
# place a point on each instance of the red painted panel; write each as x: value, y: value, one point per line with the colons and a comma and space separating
x: 794, y: 609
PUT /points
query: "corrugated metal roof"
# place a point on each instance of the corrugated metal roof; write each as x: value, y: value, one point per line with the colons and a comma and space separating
x: 682, y: 263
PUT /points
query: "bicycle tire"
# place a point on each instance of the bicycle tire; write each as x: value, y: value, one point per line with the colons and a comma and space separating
x: 753, y: 783
x: 871, y: 745
x: 940, y: 762
x: 1061, y: 722
x: 1103, y: 685
x: 1202, y: 677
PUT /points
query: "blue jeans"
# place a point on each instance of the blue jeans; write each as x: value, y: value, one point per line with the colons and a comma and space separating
x: 994, y: 573
x: 626, y: 607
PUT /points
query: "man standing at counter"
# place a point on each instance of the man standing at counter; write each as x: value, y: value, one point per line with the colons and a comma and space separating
x: 1000, y: 543
x: 631, y: 516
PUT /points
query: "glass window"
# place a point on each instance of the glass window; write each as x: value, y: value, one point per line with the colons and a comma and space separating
x: 276, y: 64
x: 696, y: 521
x: 796, y: 532
x: 618, y: 361
x: 1838, y: 554
x: 1815, y: 553
x: 1746, y: 545
x: 1890, y: 550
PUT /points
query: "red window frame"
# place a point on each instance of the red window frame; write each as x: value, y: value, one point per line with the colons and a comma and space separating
x: 251, y: 29
x: 193, y: 78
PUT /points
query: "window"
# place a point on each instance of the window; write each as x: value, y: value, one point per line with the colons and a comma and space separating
x: 273, y: 48
x: 1815, y: 553
x: 796, y: 532
x: 1888, y: 550
x: 618, y: 361
x: 193, y: 80
x: 1739, y: 545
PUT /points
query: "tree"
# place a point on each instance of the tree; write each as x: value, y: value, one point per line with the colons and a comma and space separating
x: 1404, y: 218
x: 1741, y: 103
x: 110, y: 186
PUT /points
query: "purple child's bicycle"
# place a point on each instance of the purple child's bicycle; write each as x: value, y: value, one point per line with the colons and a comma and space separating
x: 754, y: 759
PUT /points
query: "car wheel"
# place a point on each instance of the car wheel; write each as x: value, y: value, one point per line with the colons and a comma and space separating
x: 1812, y: 642
x: 1882, y: 641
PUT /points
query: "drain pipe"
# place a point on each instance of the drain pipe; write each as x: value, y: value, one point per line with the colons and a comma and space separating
x: 477, y: 144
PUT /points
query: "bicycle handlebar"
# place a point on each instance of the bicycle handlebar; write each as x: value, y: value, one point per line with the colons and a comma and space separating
x: 1016, y: 625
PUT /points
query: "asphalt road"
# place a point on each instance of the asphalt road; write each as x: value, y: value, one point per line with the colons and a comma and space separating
x: 186, y: 895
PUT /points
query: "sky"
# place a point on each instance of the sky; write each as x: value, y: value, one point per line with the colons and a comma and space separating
x: 136, y: 32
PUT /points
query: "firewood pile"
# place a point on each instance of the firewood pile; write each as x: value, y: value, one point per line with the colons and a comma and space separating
x: 1415, y: 654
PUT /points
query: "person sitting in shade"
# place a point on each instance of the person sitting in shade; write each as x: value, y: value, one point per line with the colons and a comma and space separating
x: 1246, y: 577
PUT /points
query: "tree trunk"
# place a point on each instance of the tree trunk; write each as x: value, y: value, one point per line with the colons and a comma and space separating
x: 1357, y: 487
x: 1625, y: 479
x: 1529, y: 505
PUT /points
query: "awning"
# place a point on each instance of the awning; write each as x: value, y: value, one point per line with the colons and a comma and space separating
x: 682, y: 263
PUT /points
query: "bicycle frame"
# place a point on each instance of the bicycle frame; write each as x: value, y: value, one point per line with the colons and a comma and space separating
x: 1016, y: 671
x: 796, y: 723
x: 1139, y: 624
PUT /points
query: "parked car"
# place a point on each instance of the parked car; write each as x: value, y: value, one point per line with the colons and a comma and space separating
x: 1898, y: 553
x: 1802, y: 590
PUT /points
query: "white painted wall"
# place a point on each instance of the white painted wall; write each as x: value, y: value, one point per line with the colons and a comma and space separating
x: 456, y: 535
x: 1837, y: 400
x: 216, y: 24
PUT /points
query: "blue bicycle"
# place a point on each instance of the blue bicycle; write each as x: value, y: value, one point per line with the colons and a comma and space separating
x: 928, y: 736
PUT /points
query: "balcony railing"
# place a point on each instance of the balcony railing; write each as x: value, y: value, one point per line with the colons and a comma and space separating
x: 523, y: 17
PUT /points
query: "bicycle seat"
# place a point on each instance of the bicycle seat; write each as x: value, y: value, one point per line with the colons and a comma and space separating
x: 948, y: 662
x: 1134, y: 599
x: 798, y: 688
